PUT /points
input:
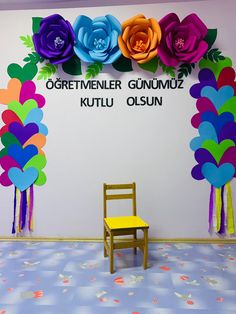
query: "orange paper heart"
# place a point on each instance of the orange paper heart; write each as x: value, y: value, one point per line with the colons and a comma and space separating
x: 11, y: 93
x: 38, y: 140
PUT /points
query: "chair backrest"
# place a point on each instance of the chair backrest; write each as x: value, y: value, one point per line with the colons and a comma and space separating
x: 119, y: 196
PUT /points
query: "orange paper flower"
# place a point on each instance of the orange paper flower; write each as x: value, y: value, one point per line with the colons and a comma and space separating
x: 140, y: 38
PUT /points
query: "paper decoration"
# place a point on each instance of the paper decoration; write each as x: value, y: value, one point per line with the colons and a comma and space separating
x: 23, y: 137
x: 215, y: 147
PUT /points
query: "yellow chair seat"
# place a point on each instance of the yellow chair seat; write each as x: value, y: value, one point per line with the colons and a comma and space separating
x: 125, y: 222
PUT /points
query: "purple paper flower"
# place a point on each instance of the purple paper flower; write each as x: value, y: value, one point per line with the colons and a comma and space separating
x: 182, y: 41
x: 55, y: 39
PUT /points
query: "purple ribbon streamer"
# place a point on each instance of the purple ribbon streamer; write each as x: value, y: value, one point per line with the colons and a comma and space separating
x: 23, y: 208
x: 211, y: 206
x: 31, y: 205
x: 13, y: 230
x: 222, y: 226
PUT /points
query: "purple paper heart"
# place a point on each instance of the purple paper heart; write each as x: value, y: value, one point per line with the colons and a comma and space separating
x: 202, y: 156
x: 197, y: 172
x: 28, y: 92
x: 23, y: 133
x: 206, y: 78
x: 218, y: 121
x: 228, y: 131
x: 229, y: 157
x: 203, y: 104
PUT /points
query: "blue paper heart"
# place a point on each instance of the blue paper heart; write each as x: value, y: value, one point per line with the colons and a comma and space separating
x: 206, y: 131
x: 206, y: 78
x: 22, y: 155
x: 36, y: 116
x: 23, y: 179
x: 218, y: 176
x: 218, y: 98
x: 217, y: 121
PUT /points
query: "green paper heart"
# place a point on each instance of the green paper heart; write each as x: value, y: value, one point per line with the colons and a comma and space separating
x: 3, y: 152
x: 229, y: 106
x: 22, y: 110
x: 41, y: 180
x: 217, y: 150
x: 38, y: 162
x: 217, y: 67
x: 26, y: 73
x: 8, y: 138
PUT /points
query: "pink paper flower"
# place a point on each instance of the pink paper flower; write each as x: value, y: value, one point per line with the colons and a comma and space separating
x: 182, y: 41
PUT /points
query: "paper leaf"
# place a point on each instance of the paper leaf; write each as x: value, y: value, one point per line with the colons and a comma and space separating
x: 36, y: 24
x: 93, y: 70
x: 185, y: 69
x: 214, y: 55
x: 150, y: 66
x: 27, y: 41
x: 211, y: 37
x: 33, y: 58
x: 72, y: 66
x: 47, y: 71
x: 168, y: 70
x: 123, y: 64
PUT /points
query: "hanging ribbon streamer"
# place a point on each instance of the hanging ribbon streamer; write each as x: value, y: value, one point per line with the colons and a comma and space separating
x: 13, y: 231
x: 222, y: 221
x: 211, y: 208
x: 230, y: 210
x: 31, y: 205
x: 218, y: 208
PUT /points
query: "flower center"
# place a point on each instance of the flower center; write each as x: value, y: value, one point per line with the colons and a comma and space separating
x: 99, y: 43
x: 139, y: 45
x: 58, y: 43
x: 179, y: 43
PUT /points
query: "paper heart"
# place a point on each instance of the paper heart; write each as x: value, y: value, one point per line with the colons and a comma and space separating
x: 38, y: 162
x: 26, y: 73
x: 217, y: 67
x: 228, y: 131
x: 218, y: 98
x: 203, y: 104
x: 229, y: 106
x: 217, y: 150
x: 206, y: 131
x: 206, y: 78
x: 218, y: 121
x: 227, y: 77
x: 229, y: 157
x: 218, y: 176
x: 11, y: 93
x: 23, y: 133
x: 20, y: 110
x: 41, y: 180
x: 23, y: 179
x: 36, y: 116
x: 22, y: 155
x: 6, y: 163
x: 3, y: 152
x: 9, y: 116
x: 9, y: 139
x: 28, y: 90
x: 202, y: 156
x: 38, y: 140
x: 197, y: 172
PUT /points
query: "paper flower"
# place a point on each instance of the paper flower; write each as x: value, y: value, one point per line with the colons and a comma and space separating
x: 140, y: 38
x: 182, y: 41
x: 55, y: 39
x: 96, y: 40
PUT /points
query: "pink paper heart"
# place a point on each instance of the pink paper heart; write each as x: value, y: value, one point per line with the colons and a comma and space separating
x: 7, y: 163
x: 28, y: 90
x: 203, y: 104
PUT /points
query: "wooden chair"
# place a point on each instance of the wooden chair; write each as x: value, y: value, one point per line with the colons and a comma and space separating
x: 123, y: 225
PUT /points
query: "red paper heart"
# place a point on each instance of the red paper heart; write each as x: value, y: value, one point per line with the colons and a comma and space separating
x: 227, y: 77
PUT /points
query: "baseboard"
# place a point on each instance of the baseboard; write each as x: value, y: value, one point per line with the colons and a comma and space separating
x: 151, y: 240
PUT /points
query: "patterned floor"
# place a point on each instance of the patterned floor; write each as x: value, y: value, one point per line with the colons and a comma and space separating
x: 73, y: 278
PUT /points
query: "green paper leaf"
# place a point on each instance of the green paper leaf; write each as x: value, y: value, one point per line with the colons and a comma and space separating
x: 27, y: 41
x: 150, y: 66
x: 47, y: 71
x: 72, y: 66
x: 93, y: 70
x: 185, y: 69
x: 26, y: 73
x: 211, y: 37
x: 123, y: 64
x: 36, y: 24
x: 214, y: 55
x: 32, y: 58
x: 167, y: 70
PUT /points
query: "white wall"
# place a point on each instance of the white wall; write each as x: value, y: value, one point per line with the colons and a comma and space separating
x: 89, y: 146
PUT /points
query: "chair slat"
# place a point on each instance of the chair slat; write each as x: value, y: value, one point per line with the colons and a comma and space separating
x: 118, y: 186
x: 119, y: 196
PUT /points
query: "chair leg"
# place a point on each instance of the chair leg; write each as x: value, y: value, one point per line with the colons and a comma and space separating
x: 145, y: 250
x: 104, y: 240
x: 135, y: 238
x: 111, y: 254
